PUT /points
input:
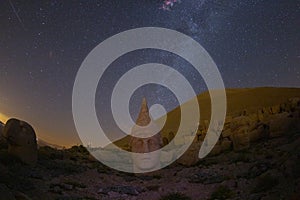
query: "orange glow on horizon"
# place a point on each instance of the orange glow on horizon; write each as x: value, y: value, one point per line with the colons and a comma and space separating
x: 3, y: 118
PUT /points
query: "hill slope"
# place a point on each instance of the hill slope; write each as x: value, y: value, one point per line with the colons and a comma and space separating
x: 238, y: 100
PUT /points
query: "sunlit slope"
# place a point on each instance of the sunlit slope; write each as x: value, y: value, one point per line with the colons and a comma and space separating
x: 238, y: 100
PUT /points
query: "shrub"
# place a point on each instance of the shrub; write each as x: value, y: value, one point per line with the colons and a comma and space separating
x: 49, y: 153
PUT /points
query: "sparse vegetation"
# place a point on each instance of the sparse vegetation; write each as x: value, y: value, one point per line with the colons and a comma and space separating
x: 49, y: 153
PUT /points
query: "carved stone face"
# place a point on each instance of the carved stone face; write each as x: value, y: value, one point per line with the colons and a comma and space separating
x: 21, y: 140
x: 148, y: 149
x: 19, y: 133
x: 145, y: 144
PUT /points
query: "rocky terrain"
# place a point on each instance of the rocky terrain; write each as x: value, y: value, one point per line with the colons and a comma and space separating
x: 256, y: 157
x: 267, y: 170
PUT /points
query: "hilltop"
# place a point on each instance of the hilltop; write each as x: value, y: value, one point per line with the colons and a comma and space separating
x: 239, y: 100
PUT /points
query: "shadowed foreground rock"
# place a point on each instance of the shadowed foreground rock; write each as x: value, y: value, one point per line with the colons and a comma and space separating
x: 2, y: 139
x: 21, y: 140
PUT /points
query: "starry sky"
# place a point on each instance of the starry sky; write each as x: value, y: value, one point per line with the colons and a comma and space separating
x: 42, y: 45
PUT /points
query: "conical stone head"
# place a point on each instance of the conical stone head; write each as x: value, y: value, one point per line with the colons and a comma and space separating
x: 146, y: 142
x: 144, y: 117
x: 145, y: 126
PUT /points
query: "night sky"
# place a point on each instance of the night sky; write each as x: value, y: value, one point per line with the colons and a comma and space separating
x: 42, y: 45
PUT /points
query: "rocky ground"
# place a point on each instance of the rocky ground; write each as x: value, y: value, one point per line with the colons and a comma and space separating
x: 269, y: 169
x: 256, y: 157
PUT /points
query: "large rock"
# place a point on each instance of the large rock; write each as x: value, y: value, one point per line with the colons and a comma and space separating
x: 228, y: 119
x: 281, y: 124
x: 263, y: 114
x: 167, y: 156
x: 190, y: 157
x: 21, y: 140
x: 216, y: 150
x: 240, y: 121
x: 226, y: 133
x: 253, y: 118
x: 294, y: 102
x: 240, y: 138
x: 275, y: 109
x: 3, y: 143
x: 226, y: 144
x: 260, y: 132
x: 267, y: 110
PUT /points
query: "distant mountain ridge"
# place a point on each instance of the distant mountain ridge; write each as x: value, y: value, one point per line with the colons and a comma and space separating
x: 42, y: 143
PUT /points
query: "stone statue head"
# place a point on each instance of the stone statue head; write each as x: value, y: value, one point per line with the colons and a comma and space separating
x: 146, y: 142
x: 21, y: 140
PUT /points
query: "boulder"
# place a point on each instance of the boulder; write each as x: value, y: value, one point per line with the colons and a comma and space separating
x: 165, y: 141
x: 228, y: 119
x: 167, y: 156
x: 240, y: 121
x: 244, y: 113
x: 190, y: 157
x: 260, y: 132
x: 240, y: 139
x: 216, y: 150
x: 264, y: 114
x: 285, y: 107
x: 267, y: 110
x: 226, y: 144
x: 281, y: 124
x: 253, y: 118
x: 206, y: 124
x: 275, y: 109
x: 171, y: 135
x: 226, y: 133
x: 21, y: 140
x: 201, y: 136
x: 294, y: 102
x: 3, y: 143
x: 260, y: 115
